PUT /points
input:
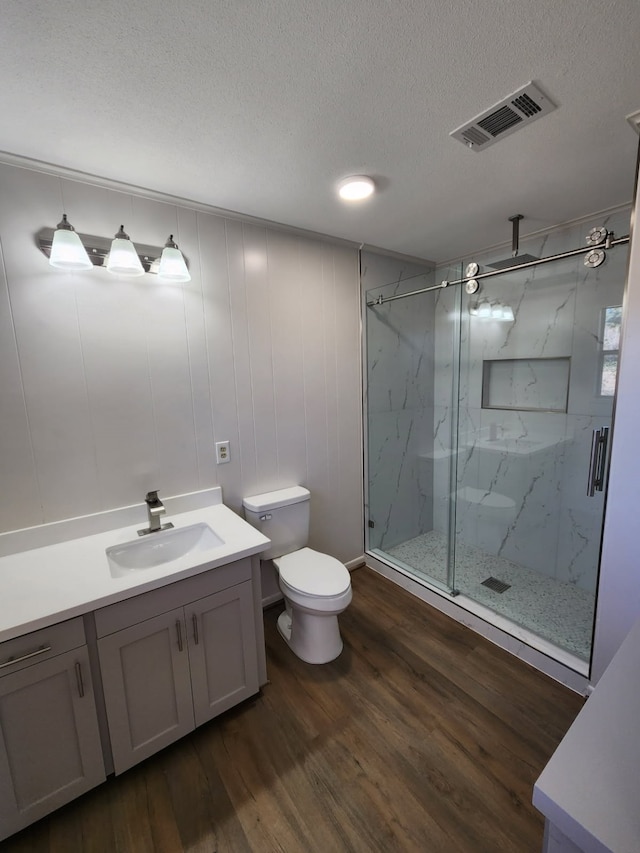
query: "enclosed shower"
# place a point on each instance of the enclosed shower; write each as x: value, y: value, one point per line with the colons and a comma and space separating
x: 488, y: 405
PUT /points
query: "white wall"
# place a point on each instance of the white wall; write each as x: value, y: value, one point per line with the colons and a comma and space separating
x: 619, y: 590
x: 110, y: 387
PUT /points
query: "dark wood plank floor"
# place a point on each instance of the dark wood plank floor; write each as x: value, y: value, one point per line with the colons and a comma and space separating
x: 422, y: 736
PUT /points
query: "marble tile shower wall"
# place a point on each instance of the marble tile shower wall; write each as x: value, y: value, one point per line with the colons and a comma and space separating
x: 111, y: 386
x: 522, y: 475
x: 400, y: 341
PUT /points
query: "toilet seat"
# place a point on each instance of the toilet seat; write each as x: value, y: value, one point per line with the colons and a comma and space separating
x: 312, y: 573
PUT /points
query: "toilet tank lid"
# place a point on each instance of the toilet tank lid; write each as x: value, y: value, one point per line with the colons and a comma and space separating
x: 275, y: 499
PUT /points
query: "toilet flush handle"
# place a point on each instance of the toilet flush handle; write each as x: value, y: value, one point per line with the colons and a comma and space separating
x: 266, y: 517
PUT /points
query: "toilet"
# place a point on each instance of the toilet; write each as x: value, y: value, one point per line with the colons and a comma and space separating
x: 316, y: 587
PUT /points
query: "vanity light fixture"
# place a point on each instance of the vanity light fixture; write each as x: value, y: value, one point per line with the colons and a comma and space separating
x: 485, y: 310
x: 67, y: 251
x: 172, y: 266
x: 356, y: 188
x: 123, y: 258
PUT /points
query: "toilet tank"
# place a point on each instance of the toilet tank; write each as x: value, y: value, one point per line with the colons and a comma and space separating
x: 283, y: 516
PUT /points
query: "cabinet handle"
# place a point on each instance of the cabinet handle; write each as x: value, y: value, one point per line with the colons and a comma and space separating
x: 79, y: 679
x: 179, y: 632
x: 194, y: 619
x: 39, y: 651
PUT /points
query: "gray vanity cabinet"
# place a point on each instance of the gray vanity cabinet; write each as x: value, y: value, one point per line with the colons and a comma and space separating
x: 222, y: 651
x: 173, y: 658
x: 50, y: 749
x: 147, y: 690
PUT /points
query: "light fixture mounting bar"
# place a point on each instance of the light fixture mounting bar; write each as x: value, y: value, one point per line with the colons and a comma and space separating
x: 98, y: 248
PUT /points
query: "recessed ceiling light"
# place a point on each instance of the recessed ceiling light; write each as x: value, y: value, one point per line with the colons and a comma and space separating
x: 356, y: 188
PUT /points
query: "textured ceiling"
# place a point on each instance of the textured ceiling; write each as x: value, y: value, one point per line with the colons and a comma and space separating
x: 261, y: 106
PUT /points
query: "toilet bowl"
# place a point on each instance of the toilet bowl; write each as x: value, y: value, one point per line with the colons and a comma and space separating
x: 316, y: 587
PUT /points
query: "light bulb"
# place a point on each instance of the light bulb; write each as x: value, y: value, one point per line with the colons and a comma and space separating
x: 67, y: 251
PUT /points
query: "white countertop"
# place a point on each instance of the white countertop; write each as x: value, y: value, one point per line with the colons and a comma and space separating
x: 589, y: 789
x: 49, y: 584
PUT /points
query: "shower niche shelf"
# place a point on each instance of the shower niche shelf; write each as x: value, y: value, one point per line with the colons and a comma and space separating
x: 526, y: 384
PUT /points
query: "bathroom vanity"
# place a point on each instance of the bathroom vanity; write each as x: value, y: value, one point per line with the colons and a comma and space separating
x: 101, y: 668
x: 50, y: 746
x: 176, y: 657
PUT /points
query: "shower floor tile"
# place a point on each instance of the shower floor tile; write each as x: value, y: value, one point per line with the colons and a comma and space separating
x: 559, y: 612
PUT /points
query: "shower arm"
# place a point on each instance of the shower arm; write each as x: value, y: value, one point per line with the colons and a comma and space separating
x: 515, y: 234
x: 607, y: 243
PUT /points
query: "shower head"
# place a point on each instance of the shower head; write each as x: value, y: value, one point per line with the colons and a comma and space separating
x: 515, y: 259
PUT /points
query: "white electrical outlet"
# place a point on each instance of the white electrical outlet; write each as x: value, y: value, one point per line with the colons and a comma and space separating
x: 223, y: 454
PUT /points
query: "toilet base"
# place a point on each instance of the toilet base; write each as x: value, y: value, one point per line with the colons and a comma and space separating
x: 284, y: 626
x: 314, y: 638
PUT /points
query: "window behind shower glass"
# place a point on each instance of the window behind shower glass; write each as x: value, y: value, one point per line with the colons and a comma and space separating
x: 610, y: 337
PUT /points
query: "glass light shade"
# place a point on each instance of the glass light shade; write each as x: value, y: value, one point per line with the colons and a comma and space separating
x: 123, y: 258
x: 173, y: 266
x: 67, y: 251
x: 496, y: 311
x: 484, y: 310
x: 507, y: 313
x: 356, y: 188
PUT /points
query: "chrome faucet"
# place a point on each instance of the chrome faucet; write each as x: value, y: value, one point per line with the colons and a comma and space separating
x: 155, y: 508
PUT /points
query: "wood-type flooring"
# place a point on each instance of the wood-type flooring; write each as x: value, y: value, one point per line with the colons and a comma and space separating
x: 422, y: 736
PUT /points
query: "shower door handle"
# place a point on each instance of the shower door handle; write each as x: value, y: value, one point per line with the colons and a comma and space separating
x: 597, y: 463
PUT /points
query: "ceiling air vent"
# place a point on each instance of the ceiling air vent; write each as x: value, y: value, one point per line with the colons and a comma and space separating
x: 507, y: 116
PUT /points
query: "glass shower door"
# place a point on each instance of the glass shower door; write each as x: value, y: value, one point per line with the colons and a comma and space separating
x: 538, y: 362
x: 486, y: 418
x: 411, y: 420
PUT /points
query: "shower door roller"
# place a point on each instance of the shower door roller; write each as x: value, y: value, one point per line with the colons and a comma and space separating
x: 597, y: 463
x: 594, y: 258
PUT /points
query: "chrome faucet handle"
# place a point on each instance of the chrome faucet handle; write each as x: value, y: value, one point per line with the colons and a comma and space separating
x: 155, y: 508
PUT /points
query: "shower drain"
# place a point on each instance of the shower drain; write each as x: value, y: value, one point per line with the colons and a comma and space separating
x: 496, y: 585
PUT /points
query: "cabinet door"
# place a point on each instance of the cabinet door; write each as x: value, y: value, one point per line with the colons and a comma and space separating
x: 50, y: 750
x: 222, y: 650
x: 147, y: 689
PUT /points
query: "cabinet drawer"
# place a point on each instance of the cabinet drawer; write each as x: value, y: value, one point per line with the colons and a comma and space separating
x: 176, y: 594
x: 40, y: 645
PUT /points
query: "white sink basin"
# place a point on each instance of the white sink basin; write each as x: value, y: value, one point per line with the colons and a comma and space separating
x: 156, y: 549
